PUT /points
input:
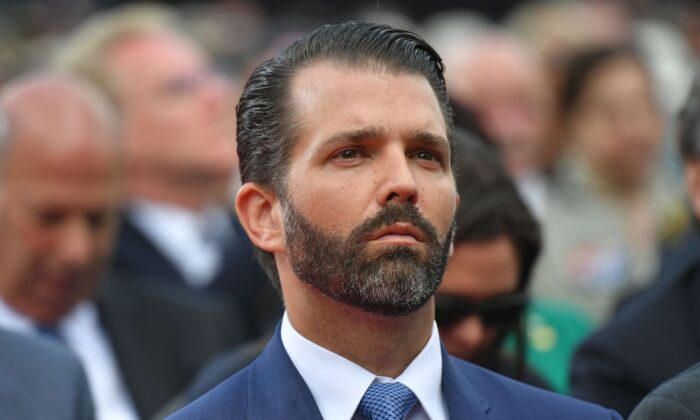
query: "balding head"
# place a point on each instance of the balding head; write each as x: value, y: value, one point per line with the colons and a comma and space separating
x: 505, y: 83
x: 60, y: 194
x: 56, y: 111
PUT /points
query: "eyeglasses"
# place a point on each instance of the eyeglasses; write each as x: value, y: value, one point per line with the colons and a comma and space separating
x: 188, y: 84
x: 503, y: 311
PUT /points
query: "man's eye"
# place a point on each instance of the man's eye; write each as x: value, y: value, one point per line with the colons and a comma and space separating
x: 347, y: 154
x: 425, y: 155
x: 50, y: 218
x: 96, y: 219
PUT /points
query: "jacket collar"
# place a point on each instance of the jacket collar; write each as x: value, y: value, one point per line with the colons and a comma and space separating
x: 277, y: 390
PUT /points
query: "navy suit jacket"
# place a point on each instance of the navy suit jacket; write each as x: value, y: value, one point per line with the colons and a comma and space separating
x: 650, y: 340
x: 272, y: 388
x: 240, y: 279
x: 41, y: 380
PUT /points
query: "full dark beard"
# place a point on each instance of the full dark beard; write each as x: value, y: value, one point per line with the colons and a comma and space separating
x: 394, y: 282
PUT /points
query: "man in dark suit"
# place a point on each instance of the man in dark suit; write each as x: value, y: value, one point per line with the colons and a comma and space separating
x: 678, y: 399
x: 179, y: 130
x: 656, y: 336
x: 39, y: 379
x: 140, y: 344
x: 344, y: 142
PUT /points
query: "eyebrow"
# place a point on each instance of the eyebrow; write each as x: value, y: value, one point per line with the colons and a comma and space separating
x: 356, y: 136
x: 429, y: 139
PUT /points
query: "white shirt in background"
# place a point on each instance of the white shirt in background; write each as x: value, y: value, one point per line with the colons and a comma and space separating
x: 82, y: 333
x: 192, y: 241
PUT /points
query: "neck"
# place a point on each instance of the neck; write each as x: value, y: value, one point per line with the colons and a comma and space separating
x: 383, y: 345
x: 190, y: 192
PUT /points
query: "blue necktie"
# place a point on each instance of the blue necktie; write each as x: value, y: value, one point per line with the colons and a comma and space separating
x: 51, y: 332
x: 391, y: 401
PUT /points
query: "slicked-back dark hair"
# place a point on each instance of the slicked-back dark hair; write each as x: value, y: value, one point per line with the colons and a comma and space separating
x: 266, y: 121
x: 490, y: 205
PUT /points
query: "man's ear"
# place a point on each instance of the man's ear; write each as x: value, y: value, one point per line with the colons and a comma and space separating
x: 260, y: 214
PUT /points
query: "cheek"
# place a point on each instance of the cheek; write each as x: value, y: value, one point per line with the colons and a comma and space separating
x: 104, y: 244
x: 31, y: 243
x: 334, y: 203
x: 438, y: 205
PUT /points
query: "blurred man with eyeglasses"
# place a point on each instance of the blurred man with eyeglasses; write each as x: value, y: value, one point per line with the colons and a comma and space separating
x: 483, y: 294
x: 179, y: 131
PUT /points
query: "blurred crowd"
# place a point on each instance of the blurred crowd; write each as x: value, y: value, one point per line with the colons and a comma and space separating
x: 576, y: 253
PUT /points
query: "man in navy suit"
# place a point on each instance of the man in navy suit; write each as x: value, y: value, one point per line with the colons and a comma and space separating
x: 345, y: 146
x: 39, y: 379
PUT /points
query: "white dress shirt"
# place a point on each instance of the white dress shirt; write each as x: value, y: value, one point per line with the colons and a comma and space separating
x: 337, y: 384
x: 186, y: 238
x: 81, y: 331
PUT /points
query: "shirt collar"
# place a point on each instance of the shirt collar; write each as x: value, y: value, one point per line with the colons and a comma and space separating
x: 12, y: 320
x: 338, y: 399
x: 73, y: 322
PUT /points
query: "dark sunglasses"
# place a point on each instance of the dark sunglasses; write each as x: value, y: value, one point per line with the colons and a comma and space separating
x: 504, y: 310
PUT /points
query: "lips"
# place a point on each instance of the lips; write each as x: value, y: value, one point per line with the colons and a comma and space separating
x: 397, y: 231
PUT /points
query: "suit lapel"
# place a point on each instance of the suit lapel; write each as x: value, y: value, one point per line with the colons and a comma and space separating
x: 463, y: 398
x: 136, y: 256
x: 276, y: 389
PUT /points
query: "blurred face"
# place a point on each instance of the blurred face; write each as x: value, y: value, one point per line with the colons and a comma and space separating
x: 370, y: 187
x: 178, y: 114
x: 513, y: 103
x: 616, y: 126
x: 478, y: 272
x: 57, y: 217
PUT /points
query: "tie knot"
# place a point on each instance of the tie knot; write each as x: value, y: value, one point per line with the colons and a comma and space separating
x: 390, y: 401
x: 52, y: 332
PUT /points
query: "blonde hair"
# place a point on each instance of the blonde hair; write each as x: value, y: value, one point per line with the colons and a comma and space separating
x: 85, y: 51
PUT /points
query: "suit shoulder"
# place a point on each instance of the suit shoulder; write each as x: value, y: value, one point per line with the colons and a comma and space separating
x: 227, y: 400
x: 19, y: 351
x: 507, y: 396
x: 676, y: 398
x: 52, y: 372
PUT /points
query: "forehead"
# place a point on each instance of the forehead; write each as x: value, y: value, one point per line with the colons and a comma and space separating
x: 85, y: 171
x: 621, y: 76
x: 327, y: 97
x: 152, y: 57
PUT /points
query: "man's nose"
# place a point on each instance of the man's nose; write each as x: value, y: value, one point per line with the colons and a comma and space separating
x: 397, y: 181
x: 76, y: 243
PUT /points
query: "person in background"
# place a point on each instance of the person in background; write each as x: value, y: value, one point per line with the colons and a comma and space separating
x: 607, y: 204
x: 655, y: 336
x: 483, y: 294
x: 178, y: 127
x: 345, y: 141
x: 61, y: 186
x: 503, y: 83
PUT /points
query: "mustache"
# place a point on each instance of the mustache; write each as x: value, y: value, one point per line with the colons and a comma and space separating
x: 392, y: 214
